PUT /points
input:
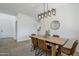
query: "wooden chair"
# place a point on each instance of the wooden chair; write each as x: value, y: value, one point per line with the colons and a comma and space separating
x: 68, y: 51
x: 59, y: 47
x: 43, y: 47
x: 57, y: 36
x: 34, y: 43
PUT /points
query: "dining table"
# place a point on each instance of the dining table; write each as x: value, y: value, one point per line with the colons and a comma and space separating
x: 53, y: 40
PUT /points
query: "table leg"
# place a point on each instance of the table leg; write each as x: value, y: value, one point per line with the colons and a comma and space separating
x: 53, y: 50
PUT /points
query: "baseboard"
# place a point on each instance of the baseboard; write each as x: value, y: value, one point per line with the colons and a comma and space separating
x: 21, y: 40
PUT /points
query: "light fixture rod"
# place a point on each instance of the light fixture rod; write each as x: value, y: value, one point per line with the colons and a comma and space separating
x: 44, y: 7
x: 47, y: 6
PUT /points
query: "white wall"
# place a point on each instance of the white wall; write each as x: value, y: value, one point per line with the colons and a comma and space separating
x: 67, y: 14
x: 26, y: 25
x: 7, y: 26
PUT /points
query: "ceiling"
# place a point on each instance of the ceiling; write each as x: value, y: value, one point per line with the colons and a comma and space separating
x: 14, y: 8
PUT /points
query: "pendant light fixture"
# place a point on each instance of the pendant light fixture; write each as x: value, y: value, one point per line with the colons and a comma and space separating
x: 42, y: 15
x: 46, y: 12
x: 39, y: 16
x: 53, y: 11
x: 49, y: 11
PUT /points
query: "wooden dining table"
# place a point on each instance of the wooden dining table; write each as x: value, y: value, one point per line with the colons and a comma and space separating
x: 53, y: 40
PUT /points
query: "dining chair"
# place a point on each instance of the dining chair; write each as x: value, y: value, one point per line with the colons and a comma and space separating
x: 43, y: 47
x: 57, y: 36
x: 69, y: 51
x: 59, y: 47
x: 34, y: 42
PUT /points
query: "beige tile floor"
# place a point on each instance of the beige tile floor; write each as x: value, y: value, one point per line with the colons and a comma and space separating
x: 11, y: 48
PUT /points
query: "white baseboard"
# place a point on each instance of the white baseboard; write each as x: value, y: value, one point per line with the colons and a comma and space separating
x: 19, y: 40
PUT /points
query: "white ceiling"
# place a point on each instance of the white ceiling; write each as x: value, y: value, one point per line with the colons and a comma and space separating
x: 14, y: 8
